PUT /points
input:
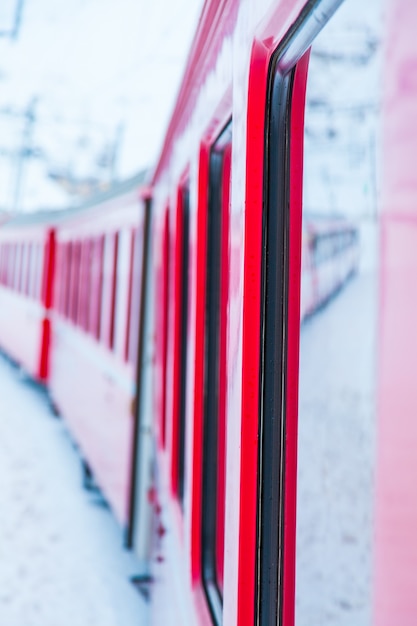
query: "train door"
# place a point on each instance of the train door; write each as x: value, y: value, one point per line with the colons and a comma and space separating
x: 140, y: 514
x: 207, y: 473
x: 317, y: 397
x: 181, y: 310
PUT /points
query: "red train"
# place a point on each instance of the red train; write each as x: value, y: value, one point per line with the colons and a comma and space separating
x: 263, y: 470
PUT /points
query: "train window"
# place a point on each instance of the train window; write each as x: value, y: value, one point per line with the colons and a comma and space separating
x: 18, y: 270
x: 78, y: 283
x: 28, y: 268
x: 88, y: 262
x: 122, y: 292
x: 44, y: 272
x: 96, y: 286
x: 335, y: 482
x: 3, y: 261
x: 66, y: 265
x: 67, y: 279
x: 10, y: 265
x: 61, y: 281
x: 80, y: 287
x: 63, y: 278
x: 25, y: 268
x: 129, y: 296
x: 8, y: 261
x: 108, y: 289
x: 38, y: 272
x: 163, y: 284
x: 181, y: 325
x: 56, y: 302
x: 214, y: 426
x: 6, y: 264
x: 23, y: 273
x: 31, y: 269
x: 17, y: 266
x: 74, y: 281
x: 84, y: 292
x: 133, y: 287
x: 10, y: 269
x: 270, y: 518
x: 135, y: 295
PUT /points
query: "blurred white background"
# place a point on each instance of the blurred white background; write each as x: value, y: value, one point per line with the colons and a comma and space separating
x: 86, y: 90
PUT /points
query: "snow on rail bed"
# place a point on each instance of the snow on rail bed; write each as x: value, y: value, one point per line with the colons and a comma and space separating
x: 61, y: 555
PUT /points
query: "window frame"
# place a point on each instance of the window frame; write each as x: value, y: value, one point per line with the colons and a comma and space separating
x: 182, y: 293
x: 94, y: 317
x: 279, y: 316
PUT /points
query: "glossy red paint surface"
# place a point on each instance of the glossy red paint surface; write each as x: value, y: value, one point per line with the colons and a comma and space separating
x: 251, y: 334
x: 48, y: 289
x: 218, y: 19
x: 273, y: 28
x: 395, y: 598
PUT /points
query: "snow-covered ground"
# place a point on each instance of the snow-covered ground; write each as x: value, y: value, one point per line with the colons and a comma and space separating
x: 61, y: 557
x: 336, y: 455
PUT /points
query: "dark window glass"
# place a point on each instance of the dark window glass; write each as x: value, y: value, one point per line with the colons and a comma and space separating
x: 183, y: 220
x: 214, y: 427
x: 97, y: 247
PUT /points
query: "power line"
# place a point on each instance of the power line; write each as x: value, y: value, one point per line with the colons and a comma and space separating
x: 24, y: 152
x: 13, y: 31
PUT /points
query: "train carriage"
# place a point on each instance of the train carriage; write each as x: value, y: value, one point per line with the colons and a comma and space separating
x: 95, y: 333
x: 27, y: 250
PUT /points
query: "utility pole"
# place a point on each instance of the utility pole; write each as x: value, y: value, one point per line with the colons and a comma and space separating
x: 115, y: 150
x: 23, y: 153
x: 11, y: 18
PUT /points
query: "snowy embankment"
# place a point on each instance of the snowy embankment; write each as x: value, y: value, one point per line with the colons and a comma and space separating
x: 61, y: 556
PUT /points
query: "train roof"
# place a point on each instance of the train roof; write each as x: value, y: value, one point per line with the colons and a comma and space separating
x: 217, y: 21
x: 52, y: 217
